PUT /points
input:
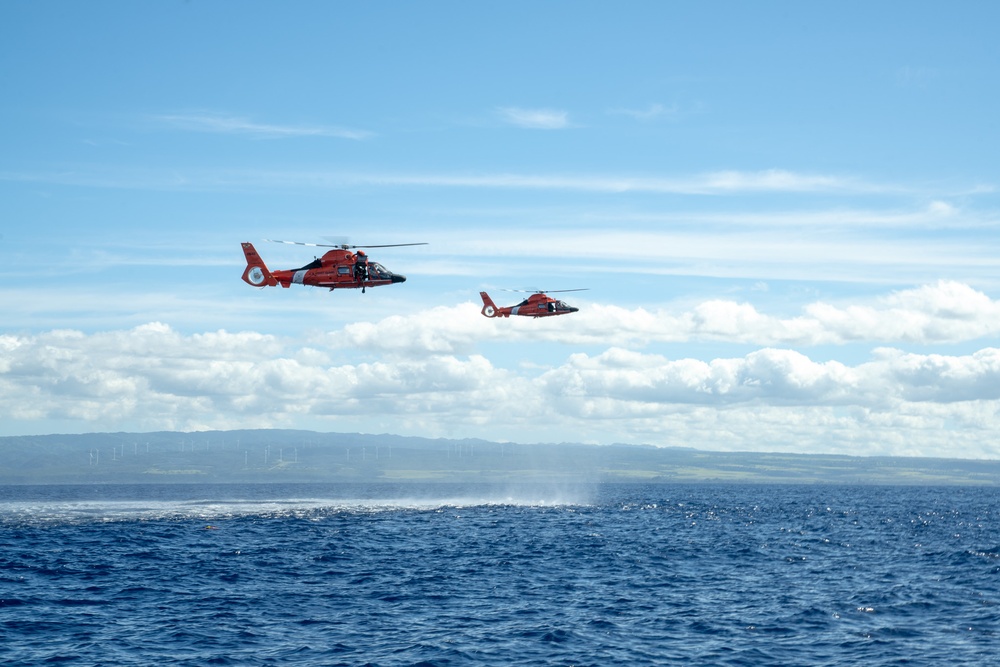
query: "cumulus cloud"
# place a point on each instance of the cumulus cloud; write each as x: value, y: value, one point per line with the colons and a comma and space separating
x: 771, y: 399
x: 944, y: 312
x: 773, y: 376
x: 438, y: 330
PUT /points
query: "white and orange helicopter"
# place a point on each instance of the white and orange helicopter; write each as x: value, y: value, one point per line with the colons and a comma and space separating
x: 336, y: 269
x: 539, y: 304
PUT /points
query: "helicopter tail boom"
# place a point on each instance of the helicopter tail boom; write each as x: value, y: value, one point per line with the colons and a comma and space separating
x: 256, y: 273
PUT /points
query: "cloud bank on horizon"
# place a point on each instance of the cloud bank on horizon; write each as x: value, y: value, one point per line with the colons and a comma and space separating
x: 783, y: 254
x: 424, y: 379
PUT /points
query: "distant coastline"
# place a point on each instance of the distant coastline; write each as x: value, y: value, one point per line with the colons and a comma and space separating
x: 261, y: 456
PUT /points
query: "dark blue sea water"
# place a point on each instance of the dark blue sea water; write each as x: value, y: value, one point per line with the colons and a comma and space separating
x: 441, y: 575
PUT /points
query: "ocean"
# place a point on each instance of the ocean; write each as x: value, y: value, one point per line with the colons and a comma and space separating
x: 410, y: 574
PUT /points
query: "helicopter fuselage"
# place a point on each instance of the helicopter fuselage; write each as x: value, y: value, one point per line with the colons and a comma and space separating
x: 536, y: 305
x: 336, y: 269
x: 339, y: 269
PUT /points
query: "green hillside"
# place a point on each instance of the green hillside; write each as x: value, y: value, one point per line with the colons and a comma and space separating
x: 305, y: 456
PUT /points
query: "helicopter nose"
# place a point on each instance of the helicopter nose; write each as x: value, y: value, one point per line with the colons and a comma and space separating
x: 396, y: 278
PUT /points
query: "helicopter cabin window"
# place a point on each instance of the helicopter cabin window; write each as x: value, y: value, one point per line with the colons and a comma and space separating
x: 343, y: 270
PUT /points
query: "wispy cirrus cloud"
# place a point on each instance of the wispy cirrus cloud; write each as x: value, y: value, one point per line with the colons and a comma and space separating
x: 712, y: 183
x: 721, y: 182
x: 535, y: 119
x: 917, y: 77
x: 650, y: 112
x: 219, y: 123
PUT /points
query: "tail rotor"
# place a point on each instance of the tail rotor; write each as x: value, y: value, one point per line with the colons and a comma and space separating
x: 256, y: 273
x: 489, y: 308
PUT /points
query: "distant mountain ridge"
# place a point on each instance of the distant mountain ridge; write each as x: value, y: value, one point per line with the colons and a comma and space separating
x: 272, y: 455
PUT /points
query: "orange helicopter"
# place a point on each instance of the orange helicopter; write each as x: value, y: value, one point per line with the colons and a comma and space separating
x: 336, y: 269
x: 539, y: 304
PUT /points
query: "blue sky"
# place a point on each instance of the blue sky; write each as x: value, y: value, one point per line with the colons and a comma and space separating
x: 785, y: 215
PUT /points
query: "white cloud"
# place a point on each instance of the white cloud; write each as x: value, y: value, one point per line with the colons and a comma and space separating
x: 225, y: 124
x: 439, y: 330
x: 943, y: 313
x: 771, y: 180
x: 941, y: 209
x: 727, y: 182
x: 770, y: 376
x: 650, y: 112
x: 723, y: 182
x: 535, y: 119
x: 772, y: 399
x: 910, y: 76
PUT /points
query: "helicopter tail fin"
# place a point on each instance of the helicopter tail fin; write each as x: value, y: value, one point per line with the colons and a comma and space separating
x: 489, y: 308
x: 256, y: 273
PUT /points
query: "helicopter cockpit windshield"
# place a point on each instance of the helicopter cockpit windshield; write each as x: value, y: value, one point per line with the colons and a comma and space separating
x: 378, y: 272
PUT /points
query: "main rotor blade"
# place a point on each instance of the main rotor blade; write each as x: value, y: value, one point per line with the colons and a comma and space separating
x: 546, y: 291
x: 343, y: 246
x: 314, y: 245
x: 387, y: 245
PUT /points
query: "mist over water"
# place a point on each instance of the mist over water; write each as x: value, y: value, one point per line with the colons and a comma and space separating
x: 106, y: 503
x: 445, y: 575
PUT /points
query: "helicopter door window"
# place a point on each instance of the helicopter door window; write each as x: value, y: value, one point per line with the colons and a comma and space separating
x: 344, y: 270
